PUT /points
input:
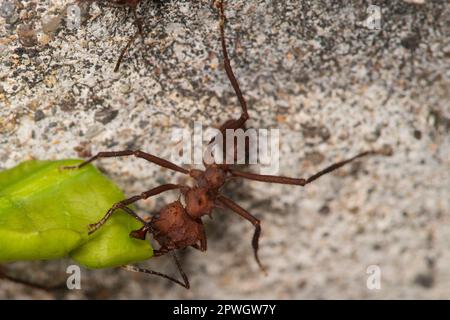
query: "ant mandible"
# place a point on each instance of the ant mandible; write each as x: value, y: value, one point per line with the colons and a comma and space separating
x: 178, y: 225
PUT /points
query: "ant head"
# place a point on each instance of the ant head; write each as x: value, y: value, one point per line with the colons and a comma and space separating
x: 198, y: 202
x: 172, y: 228
x: 171, y: 215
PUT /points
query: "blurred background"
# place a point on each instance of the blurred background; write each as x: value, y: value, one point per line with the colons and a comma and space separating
x: 335, y: 77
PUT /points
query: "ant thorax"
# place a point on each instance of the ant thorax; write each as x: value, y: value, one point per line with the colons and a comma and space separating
x: 199, y: 202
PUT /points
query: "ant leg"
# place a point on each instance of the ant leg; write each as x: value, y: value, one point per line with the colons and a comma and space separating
x: 203, y: 242
x: 232, y: 124
x: 5, y: 276
x: 161, y: 251
x: 138, y: 23
x: 95, y: 226
x: 124, y: 203
x: 246, y: 215
x: 298, y: 181
x: 184, y: 284
x: 139, y: 32
x: 226, y: 62
x: 124, y: 50
x: 138, y: 154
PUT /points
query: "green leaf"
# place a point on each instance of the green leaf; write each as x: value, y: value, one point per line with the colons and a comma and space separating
x: 45, y: 212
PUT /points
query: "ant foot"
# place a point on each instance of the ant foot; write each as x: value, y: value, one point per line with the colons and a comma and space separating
x: 68, y: 167
x: 263, y: 269
x: 386, y: 150
x: 93, y: 227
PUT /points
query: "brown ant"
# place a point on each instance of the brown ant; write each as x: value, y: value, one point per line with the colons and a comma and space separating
x: 178, y: 225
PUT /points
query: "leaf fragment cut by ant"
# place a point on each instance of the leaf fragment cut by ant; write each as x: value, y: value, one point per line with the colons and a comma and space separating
x: 45, y: 212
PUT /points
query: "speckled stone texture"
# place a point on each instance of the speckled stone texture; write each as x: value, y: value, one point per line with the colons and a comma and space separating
x: 312, y: 69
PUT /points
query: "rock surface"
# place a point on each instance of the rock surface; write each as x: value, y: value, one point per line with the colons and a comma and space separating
x: 322, y: 72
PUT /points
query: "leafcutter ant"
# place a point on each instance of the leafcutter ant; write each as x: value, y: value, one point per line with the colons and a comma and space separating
x: 179, y: 225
